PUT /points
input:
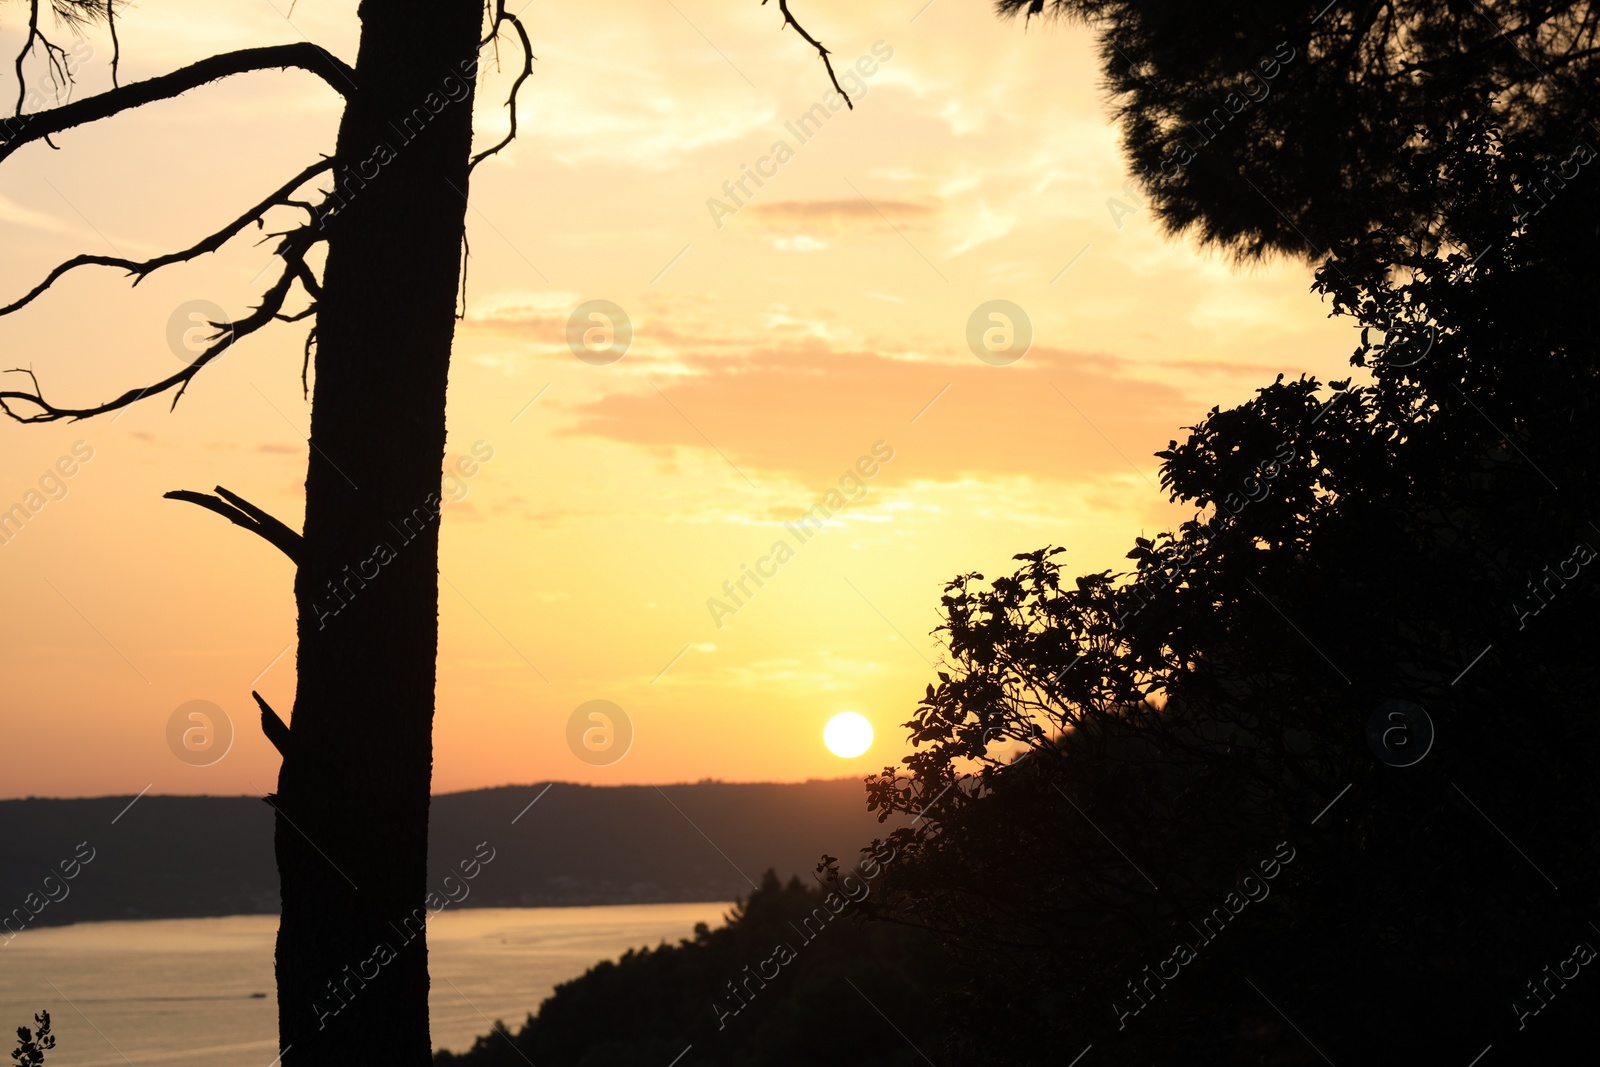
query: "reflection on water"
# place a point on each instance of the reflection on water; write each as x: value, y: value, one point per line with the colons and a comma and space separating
x: 199, y: 993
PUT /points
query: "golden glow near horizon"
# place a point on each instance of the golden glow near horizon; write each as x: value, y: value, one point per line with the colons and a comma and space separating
x: 798, y: 279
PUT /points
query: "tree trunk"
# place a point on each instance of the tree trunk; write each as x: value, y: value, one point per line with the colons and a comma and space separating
x: 353, y: 792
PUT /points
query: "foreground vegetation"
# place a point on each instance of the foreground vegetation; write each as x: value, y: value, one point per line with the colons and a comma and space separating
x: 827, y: 978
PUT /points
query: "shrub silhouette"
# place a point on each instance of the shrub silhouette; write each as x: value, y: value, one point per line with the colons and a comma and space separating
x: 1105, y: 759
x: 651, y: 1004
x: 32, y: 1045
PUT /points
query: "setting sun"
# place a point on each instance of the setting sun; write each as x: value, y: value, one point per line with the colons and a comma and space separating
x: 847, y: 735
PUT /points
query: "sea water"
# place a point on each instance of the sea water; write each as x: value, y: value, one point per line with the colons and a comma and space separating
x: 199, y: 992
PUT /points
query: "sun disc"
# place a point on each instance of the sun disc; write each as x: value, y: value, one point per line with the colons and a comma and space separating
x: 847, y: 735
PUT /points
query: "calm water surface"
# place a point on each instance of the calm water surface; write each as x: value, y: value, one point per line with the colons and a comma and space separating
x: 184, y: 991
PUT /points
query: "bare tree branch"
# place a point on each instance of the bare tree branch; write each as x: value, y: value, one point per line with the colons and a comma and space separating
x: 239, y: 511
x: 140, y: 269
x: 308, y: 279
x: 55, y: 56
x: 305, y: 365
x: 116, y: 42
x: 523, y: 75
x: 77, y: 15
x: 276, y: 729
x: 789, y: 20
x: 292, y: 249
x: 26, y: 129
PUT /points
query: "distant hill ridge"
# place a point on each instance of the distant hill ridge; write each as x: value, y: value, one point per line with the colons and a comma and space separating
x: 184, y: 857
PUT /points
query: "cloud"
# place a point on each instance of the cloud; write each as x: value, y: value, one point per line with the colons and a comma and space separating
x: 14, y: 214
x: 987, y: 226
x: 800, y: 242
x: 533, y: 316
x: 839, y: 214
x: 808, y: 411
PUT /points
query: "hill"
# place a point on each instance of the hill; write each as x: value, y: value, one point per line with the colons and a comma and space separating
x: 791, y: 977
x: 554, y: 844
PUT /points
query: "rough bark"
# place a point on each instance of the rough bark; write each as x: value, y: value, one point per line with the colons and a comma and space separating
x: 353, y: 792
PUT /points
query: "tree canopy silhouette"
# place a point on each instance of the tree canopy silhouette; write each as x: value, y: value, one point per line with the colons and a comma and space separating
x: 1174, y: 807
x: 764, y: 988
x: 1268, y: 126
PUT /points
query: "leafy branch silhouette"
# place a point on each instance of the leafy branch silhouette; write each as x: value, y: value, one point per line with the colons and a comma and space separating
x: 32, y: 1045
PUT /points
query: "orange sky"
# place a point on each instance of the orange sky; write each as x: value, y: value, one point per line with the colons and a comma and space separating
x: 770, y: 352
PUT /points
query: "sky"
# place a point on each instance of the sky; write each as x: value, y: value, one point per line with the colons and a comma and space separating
x: 782, y: 334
